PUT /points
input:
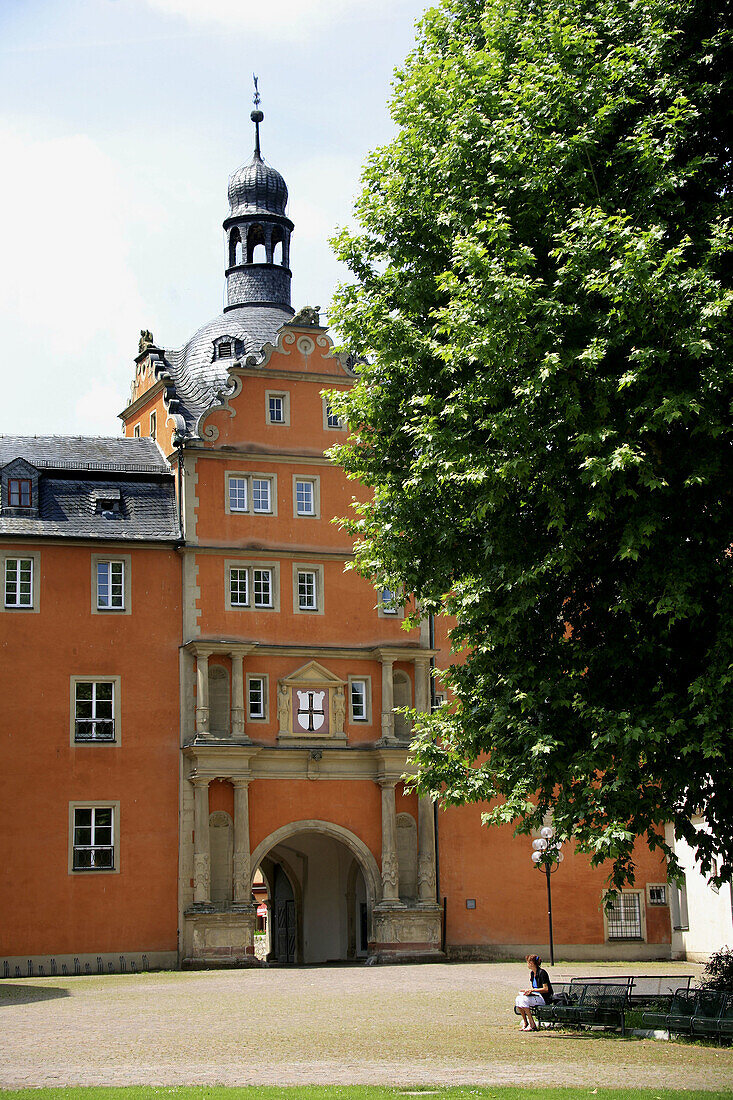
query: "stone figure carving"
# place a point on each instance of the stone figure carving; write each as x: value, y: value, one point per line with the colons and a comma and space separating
x: 339, y: 710
x: 283, y: 706
x: 308, y: 315
x: 390, y: 871
x: 146, y: 340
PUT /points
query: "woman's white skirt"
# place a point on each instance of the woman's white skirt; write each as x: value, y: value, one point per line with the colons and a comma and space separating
x: 529, y: 1000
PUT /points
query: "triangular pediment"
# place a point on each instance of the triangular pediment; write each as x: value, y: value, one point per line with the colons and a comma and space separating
x: 313, y: 673
x: 19, y: 467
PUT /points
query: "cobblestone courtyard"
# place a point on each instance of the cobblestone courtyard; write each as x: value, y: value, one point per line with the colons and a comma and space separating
x: 397, y: 1025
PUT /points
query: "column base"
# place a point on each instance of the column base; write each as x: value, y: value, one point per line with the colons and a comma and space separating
x: 220, y: 938
x: 407, y: 932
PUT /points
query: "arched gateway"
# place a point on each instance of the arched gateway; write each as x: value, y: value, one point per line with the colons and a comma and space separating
x: 323, y: 883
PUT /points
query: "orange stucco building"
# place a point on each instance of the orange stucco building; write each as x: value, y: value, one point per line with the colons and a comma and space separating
x: 195, y: 688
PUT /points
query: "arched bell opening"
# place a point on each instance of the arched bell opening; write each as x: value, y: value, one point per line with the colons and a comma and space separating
x: 256, y: 244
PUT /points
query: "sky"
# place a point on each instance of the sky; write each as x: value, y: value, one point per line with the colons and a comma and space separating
x: 120, y: 123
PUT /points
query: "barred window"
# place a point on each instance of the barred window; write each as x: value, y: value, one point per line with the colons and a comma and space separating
x: 624, y: 918
x: 94, y: 702
x: 262, y: 585
x: 94, y: 848
x: 110, y: 585
x: 19, y: 582
x: 239, y: 587
x: 307, y: 599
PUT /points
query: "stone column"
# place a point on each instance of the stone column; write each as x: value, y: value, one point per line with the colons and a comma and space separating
x: 390, y: 866
x: 202, y: 697
x: 425, y: 851
x: 422, y: 684
x: 241, y: 858
x: 238, y: 728
x: 201, y: 856
x: 387, y: 699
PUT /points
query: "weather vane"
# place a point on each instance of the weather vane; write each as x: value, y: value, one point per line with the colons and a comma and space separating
x: 257, y: 117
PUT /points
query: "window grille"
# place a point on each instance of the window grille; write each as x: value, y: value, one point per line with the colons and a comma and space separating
x: 94, y: 710
x: 110, y: 585
x: 239, y: 587
x: 19, y: 582
x: 262, y: 584
x: 624, y: 918
x: 94, y: 838
x: 657, y: 895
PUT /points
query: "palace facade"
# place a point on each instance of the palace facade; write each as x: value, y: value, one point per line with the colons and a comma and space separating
x: 194, y: 688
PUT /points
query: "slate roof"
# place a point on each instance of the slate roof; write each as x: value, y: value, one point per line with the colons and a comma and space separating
x: 197, y: 377
x: 79, y: 475
x: 62, y: 452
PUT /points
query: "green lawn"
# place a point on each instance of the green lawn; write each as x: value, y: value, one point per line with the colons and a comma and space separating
x: 360, y: 1092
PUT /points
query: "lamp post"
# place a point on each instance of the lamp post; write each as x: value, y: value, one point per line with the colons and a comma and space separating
x: 547, y: 857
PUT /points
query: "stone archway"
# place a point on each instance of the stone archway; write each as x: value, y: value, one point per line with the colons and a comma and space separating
x: 336, y: 886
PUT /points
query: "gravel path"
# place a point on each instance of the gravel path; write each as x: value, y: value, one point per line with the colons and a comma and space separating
x: 398, y: 1025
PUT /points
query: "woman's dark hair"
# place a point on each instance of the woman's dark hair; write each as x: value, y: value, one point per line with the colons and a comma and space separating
x: 535, y: 959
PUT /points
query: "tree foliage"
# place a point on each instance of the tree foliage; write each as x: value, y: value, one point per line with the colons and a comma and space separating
x: 542, y: 294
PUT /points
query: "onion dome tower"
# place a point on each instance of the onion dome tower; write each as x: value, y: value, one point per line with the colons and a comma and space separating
x: 257, y: 232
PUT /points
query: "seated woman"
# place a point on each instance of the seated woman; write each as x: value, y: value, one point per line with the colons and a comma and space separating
x: 539, y: 993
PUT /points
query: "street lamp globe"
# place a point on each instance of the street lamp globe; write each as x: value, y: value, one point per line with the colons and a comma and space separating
x: 536, y: 857
x: 547, y: 832
x: 539, y: 845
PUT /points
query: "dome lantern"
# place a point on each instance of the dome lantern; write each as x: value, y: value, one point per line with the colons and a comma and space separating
x: 257, y: 231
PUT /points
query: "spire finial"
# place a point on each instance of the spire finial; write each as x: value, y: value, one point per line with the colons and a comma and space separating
x: 257, y: 117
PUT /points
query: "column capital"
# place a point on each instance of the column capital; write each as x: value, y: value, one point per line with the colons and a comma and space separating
x: 200, y: 780
x: 385, y: 782
x: 240, y: 781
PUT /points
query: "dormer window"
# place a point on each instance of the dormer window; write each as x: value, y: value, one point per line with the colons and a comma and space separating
x: 107, y: 503
x: 225, y: 351
x: 20, y: 494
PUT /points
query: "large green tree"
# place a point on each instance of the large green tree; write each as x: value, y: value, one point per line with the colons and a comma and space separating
x: 542, y: 296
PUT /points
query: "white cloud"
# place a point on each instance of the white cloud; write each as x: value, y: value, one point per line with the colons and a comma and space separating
x: 70, y: 306
x: 273, y: 18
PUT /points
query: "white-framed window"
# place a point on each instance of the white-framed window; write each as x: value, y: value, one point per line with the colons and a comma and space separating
x: 308, y: 588
x: 261, y: 494
x: 657, y: 893
x: 110, y: 585
x: 252, y: 585
x: 153, y: 425
x: 94, y: 710
x: 262, y: 588
x: 239, y: 587
x: 625, y: 917
x: 277, y: 407
x: 678, y: 906
x: 250, y: 493
x: 257, y: 698
x: 238, y: 494
x: 331, y: 422
x: 94, y: 837
x: 306, y: 496
x: 359, y: 698
x: 19, y: 582
x: 136, y: 431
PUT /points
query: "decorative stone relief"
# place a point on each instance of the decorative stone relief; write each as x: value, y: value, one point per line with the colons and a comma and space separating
x: 201, y: 873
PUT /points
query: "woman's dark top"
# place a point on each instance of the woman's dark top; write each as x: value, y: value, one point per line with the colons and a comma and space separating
x: 541, y: 978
